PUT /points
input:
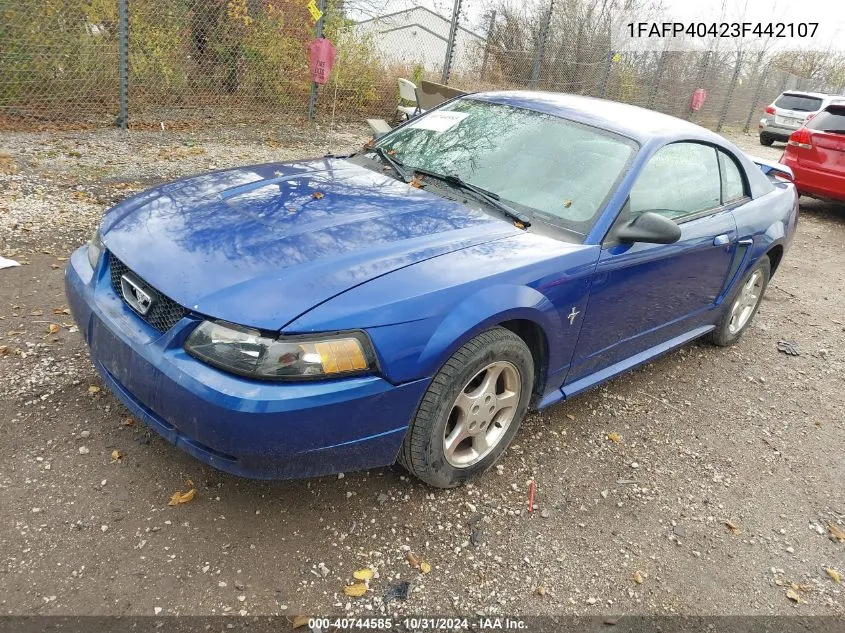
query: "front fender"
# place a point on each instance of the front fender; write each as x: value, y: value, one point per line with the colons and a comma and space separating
x: 485, y: 309
x: 418, y: 348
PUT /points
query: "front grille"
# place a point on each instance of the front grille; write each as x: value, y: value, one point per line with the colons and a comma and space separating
x: 164, y: 312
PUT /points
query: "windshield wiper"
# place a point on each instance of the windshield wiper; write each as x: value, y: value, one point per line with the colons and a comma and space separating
x: 393, y: 162
x: 490, y: 197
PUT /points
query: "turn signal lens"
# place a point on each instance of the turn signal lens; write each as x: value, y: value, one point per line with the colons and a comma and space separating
x: 341, y: 355
x: 95, y: 249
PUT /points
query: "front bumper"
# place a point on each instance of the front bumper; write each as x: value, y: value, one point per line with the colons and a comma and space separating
x: 246, y: 427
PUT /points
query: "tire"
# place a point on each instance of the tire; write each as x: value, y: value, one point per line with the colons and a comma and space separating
x: 494, y: 368
x: 728, y: 331
x: 766, y: 140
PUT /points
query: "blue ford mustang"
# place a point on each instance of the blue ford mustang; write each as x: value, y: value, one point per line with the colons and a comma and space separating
x: 411, y: 301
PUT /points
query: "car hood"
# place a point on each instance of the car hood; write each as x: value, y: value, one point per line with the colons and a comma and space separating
x: 261, y: 245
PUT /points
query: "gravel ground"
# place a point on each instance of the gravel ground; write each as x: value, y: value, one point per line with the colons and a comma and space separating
x: 703, y: 483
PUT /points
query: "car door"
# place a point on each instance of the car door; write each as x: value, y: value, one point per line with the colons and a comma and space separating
x: 644, y: 295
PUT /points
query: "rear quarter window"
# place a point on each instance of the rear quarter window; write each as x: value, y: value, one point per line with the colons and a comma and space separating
x: 831, y: 120
x: 801, y: 103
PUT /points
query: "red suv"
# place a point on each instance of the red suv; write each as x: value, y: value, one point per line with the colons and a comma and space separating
x: 816, y: 154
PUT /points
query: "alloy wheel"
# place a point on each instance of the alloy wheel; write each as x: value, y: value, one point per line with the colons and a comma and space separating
x: 481, y: 414
x: 746, y: 301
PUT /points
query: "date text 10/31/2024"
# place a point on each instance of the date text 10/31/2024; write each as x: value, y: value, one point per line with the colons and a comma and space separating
x: 419, y: 624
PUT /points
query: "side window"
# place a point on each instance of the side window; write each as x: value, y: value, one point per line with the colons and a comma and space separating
x: 733, y: 186
x: 681, y: 179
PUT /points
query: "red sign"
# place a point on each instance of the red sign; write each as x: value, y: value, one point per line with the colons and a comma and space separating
x: 322, y: 58
x: 698, y: 99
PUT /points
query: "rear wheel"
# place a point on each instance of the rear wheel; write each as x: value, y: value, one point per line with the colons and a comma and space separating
x: 766, y: 140
x: 741, y: 311
x: 471, y: 410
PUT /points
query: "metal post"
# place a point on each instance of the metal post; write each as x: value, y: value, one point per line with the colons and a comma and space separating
x: 761, y: 80
x: 122, y: 67
x: 656, y: 84
x: 607, y: 64
x: 450, y: 44
x: 541, y: 46
x: 312, y: 98
x: 487, y: 43
x: 728, y: 97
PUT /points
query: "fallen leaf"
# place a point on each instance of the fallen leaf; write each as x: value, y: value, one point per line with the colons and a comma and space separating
x: 413, y: 561
x: 540, y: 591
x: 836, y: 532
x: 4, y: 349
x: 567, y: 203
x: 570, y: 416
x: 363, y: 574
x: 355, y: 591
x: 425, y: 567
x: 52, y: 328
x: 614, y: 437
x: 128, y: 422
x: 793, y: 595
x: 317, y: 195
x: 834, y: 575
x: 36, y: 313
x: 416, y: 183
x: 61, y: 310
x: 182, y: 497
x: 93, y: 389
x: 637, y: 577
x: 115, y: 456
x: 301, y: 620
x: 733, y: 528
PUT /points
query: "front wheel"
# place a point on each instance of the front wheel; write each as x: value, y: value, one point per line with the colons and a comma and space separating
x: 471, y: 410
x: 737, y: 317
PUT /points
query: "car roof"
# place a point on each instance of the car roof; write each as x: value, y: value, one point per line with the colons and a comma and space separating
x: 628, y: 120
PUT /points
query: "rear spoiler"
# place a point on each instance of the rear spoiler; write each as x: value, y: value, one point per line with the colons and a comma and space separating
x: 773, y: 170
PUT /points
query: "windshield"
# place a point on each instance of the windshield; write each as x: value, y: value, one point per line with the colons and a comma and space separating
x: 548, y: 167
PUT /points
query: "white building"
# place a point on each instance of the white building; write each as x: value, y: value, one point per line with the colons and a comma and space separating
x: 419, y: 36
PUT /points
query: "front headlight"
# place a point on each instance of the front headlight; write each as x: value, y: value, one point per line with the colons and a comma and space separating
x: 249, y: 352
x: 95, y: 248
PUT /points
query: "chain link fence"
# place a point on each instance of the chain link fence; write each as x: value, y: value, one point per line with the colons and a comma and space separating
x: 206, y: 63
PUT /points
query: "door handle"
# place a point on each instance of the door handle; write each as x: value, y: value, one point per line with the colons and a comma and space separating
x: 721, y: 240
x: 746, y: 241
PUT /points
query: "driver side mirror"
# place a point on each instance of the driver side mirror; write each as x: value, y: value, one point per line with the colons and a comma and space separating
x: 651, y: 228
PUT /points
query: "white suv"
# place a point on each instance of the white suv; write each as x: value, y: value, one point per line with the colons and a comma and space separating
x: 790, y: 111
